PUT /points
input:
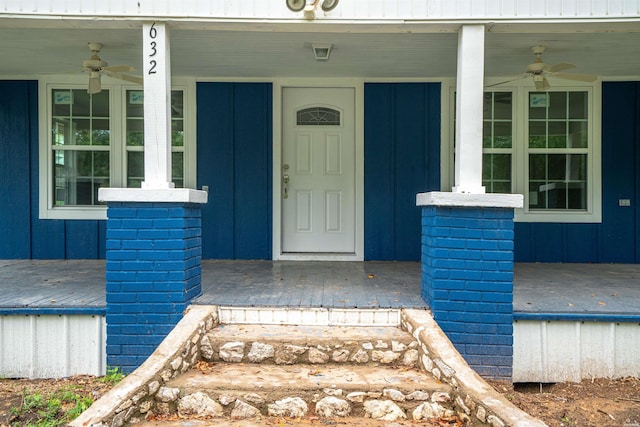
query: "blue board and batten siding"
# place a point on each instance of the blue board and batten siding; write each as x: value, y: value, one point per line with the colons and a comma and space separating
x: 24, y: 235
x: 401, y: 159
x: 235, y: 161
x: 617, y: 238
x: 402, y: 146
x: 402, y: 125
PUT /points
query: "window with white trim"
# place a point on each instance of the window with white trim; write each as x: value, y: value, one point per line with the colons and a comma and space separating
x: 90, y: 141
x: 546, y: 146
x: 558, y: 150
x: 497, y: 142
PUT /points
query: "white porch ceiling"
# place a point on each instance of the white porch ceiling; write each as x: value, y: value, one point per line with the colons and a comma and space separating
x: 210, y: 54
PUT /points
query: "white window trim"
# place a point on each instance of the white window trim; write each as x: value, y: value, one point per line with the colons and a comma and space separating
x: 118, y: 153
x: 520, y: 172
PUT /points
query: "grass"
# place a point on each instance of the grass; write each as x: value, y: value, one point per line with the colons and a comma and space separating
x: 113, y: 377
x: 49, y: 410
x: 57, y: 407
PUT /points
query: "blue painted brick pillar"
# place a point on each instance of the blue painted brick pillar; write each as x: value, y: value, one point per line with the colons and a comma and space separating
x: 154, y: 252
x: 467, y: 275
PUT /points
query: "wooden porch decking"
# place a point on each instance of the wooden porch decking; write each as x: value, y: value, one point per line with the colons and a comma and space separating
x: 552, y: 290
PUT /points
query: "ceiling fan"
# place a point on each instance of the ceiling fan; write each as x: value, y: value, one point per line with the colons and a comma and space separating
x: 538, y: 70
x: 95, y: 66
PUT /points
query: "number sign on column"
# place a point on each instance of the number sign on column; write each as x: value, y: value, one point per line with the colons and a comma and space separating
x: 157, y: 108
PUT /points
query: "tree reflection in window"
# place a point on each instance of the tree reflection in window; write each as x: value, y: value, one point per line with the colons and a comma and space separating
x: 318, y: 116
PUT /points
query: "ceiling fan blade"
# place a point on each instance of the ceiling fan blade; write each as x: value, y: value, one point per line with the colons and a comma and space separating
x: 507, y: 81
x: 561, y: 67
x: 578, y: 77
x: 119, y: 68
x: 125, y: 77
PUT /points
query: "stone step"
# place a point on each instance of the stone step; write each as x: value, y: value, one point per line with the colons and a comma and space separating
x: 290, y: 344
x: 236, y: 390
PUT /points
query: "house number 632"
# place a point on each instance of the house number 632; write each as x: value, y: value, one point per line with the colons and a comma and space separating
x: 153, y: 33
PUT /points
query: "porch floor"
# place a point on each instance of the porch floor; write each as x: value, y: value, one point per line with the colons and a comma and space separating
x: 78, y: 286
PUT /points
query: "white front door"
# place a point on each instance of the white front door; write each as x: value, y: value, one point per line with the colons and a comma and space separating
x: 318, y: 170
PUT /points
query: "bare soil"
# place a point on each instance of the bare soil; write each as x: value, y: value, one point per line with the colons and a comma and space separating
x: 591, y: 403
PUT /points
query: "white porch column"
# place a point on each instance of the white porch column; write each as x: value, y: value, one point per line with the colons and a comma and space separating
x: 157, y: 106
x: 469, y: 98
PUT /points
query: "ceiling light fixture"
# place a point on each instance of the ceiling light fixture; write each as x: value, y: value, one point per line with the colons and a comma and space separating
x: 310, y: 6
x: 321, y: 51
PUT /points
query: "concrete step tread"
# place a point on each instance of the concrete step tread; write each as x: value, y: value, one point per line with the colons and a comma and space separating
x: 307, y: 334
x: 239, y: 377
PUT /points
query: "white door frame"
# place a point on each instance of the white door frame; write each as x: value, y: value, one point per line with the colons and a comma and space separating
x: 358, y: 86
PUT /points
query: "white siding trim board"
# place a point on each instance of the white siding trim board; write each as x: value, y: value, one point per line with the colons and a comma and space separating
x: 362, y: 10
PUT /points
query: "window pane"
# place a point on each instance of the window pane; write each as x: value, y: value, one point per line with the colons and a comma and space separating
x: 558, y: 181
x: 537, y: 167
x: 81, y: 106
x: 61, y: 100
x: 135, y: 103
x: 502, y: 105
x: 177, y: 169
x: 81, y: 132
x: 486, y: 134
x: 537, y: 134
x: 79, y: 175
x: 100, y: 132
x: 557, y: 134
x: 496, y: 173
x: 502, y: 135
x: 177, y: 133
x: 135, y: 168
x: 135, y: 133
x: 60, y: 132
x: 557, y: 105
x: 99, y: 104
x: 578, y: 105
x: 557, y: 166
x: 487, y: 106
x: 536, y: 110
x: 502, y: 167
x: 577, y: 135
x: 177, y: 104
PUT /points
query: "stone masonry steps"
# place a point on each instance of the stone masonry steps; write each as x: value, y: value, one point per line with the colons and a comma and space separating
x: 288, y: 344
x: 249, y: 372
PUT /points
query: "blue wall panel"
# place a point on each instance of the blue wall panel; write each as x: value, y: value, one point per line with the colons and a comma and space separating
x: 14, y: 162
x: 402, y: 158
x: 24, y: 234
x: 616, y: 238
x: 620, y: 176
x: 235, y: 161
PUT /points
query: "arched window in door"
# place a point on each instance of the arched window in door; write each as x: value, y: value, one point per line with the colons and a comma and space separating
x: 318, y: 116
